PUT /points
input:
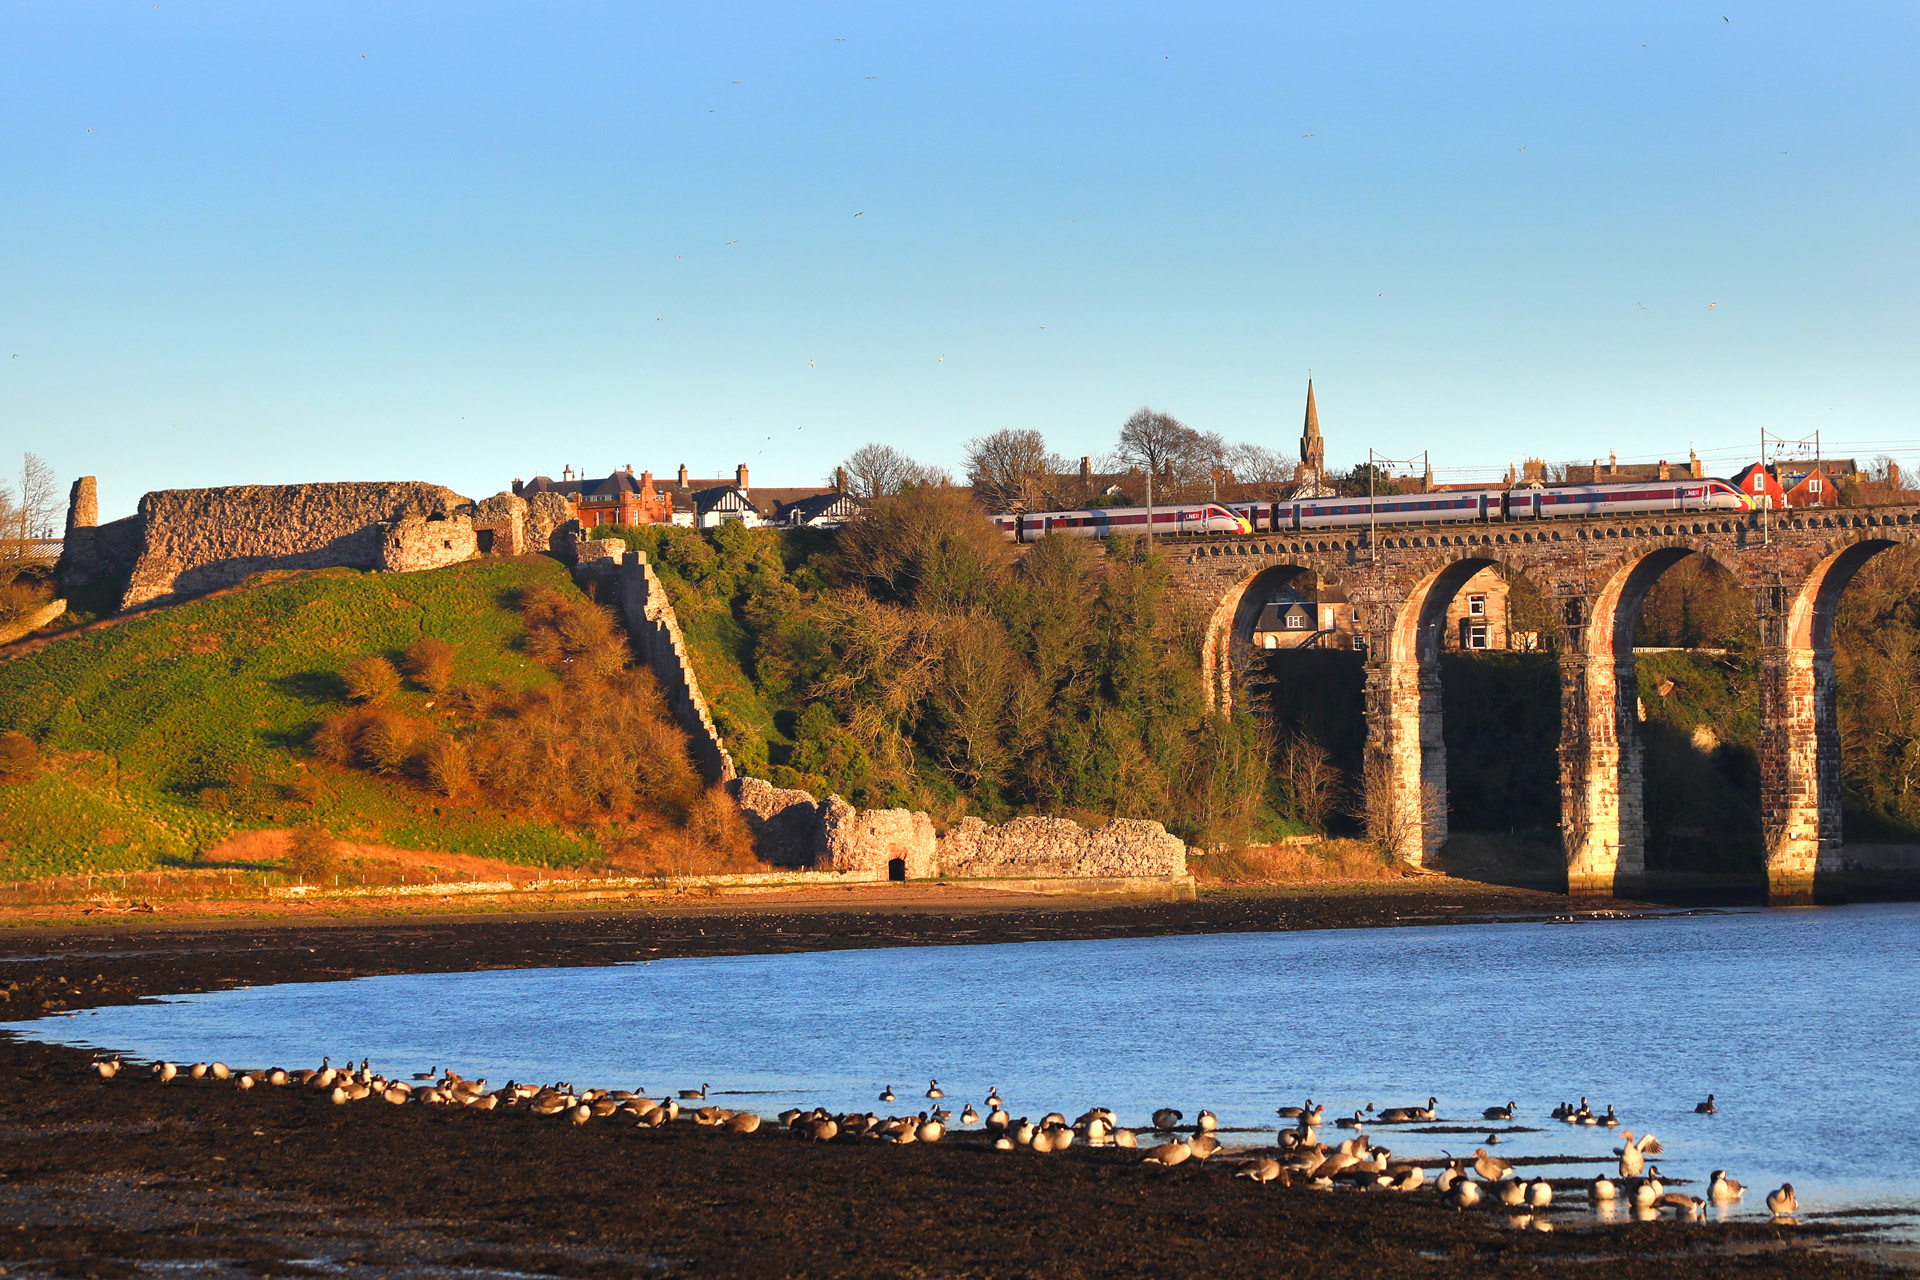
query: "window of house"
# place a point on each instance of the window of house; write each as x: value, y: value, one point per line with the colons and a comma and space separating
x: 1477, y: 606
x: 1478, y: 636
x: 1296, y: 620
x: 1360, y: 645
x: 1273, y: 641
x: 1813, y: 485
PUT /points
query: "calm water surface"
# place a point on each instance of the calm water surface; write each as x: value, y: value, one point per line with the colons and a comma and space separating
x: 1802, y: 1023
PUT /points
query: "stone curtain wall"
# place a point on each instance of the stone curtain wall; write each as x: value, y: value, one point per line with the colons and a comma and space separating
x: 791, y: 830
x: 867, y: 841
x: 1058, y: 847
x: 192, y: 541
x: 656, y: 634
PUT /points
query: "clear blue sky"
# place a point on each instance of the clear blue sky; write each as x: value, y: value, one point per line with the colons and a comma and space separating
x: 468, y: 242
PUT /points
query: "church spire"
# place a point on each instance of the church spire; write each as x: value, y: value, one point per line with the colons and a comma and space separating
x: 1313, y: 450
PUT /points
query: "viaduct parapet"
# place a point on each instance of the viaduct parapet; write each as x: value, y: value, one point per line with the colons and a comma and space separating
x: 1595, y: 575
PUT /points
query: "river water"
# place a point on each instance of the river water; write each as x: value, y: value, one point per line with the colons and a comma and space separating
x: 1803, y: 1024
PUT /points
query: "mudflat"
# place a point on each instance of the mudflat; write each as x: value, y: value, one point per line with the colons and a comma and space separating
x: 130, y: 1177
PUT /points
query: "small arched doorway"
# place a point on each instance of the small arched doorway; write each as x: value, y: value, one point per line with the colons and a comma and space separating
x: 896, y: 868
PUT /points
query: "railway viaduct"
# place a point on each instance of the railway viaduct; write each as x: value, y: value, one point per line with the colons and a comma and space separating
x: 1594, y: 574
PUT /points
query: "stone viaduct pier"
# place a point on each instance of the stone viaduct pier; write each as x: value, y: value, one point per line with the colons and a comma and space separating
x: 1594, y: 575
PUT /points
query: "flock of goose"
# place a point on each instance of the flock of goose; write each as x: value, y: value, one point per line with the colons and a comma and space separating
x: 1299, y: 1155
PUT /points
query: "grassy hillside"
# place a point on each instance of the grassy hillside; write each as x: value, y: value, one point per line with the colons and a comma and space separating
x: 162, y: 736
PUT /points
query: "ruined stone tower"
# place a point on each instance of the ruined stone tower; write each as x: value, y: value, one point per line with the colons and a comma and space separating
x: 83, y: 504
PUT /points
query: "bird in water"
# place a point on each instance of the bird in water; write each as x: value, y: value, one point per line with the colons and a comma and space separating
x: 1706, y: 1108
x: 886, y: 1094
x: 1721, y: 1188
x: 1783, y: 1202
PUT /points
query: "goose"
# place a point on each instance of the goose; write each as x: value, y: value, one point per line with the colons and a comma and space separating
x: 1492, y: 1168
x: 220, y: 1071
x: 1097, y: 1129
x: 1705, y: 1108
x: 931, y: 1131
x: 107, y: 1068
x: 1610, y: 1120
x: 1463, y: 1194
x: 999, y: 1119
x: 1448, y: 1176
x: 1125, y: 1138
x: 165, y: 1070
x: 1649, y: 1190
x: 1314, y: 1117
x: 1354, y: 1121
x: 1601, y: 1190
x: 968, y: 1115
x: 1407, y: 1178
x: 1683, y: 1206
x: 993, y: 1099
x: 396, y: 1094
x: 198, y: 1071
x: 418, y: 1075
x: 1498, y: 1113
x: 1539, y: 1193
x: 886, y: 1094
x: 276, y: 1077
x: 1207, y: 1122
x: 1783, y: 1202
x: 1168, y: 1154
x: 743, y: 1122
x: 339, y: 1096
x: 1003, y: 1143
x: 821, y: 1130
x: 1041, y: 1142
x: 790, y: 1116
x: 1631, y: 1161
x: 1053, y: 1120
x: 701, y: 1092
x: 1493, y: 1139
x: 245, y: 1081
x: 1062, y: 1137
x: 1166, y: 1118
x: 1263, y: 1171
x: 934, y: 1090
x: 1294, y: 1113
x: 1721, y: 1188
x: 1023, y: 1131
x: 1203, y: 1146
x: 1511, y: 1192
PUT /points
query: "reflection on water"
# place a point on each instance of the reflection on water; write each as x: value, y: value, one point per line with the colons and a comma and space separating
x: 1802, y: 1023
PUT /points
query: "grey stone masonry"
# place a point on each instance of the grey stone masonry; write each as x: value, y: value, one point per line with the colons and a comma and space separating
x: 655, y: 632
x: 1059, y: 847
x: 1594, y: 575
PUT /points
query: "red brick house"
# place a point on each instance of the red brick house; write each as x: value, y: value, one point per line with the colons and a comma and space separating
x: 618, y: 499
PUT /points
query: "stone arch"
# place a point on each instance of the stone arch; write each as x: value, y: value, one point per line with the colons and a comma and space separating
x: 1800, y: 766
x: 1232, y: 623
x: 1406, y: 742
x: 1602, y: 782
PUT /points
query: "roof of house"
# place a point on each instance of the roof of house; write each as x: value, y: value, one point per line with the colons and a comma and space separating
x: 832, y: 502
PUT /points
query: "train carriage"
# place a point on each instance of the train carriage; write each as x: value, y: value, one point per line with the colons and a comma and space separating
x: 1485, y: 505
x: 1104, y: 522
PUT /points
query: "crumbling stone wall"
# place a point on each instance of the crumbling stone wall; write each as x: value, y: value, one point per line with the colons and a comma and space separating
x: 1058, y: 847
x: 191, y: 541
x: 868, y: 841
x: 655, y: 632
x: 415, y: 543
x: 786, y: 825
x: 546, y: 512
x: 500, y: 524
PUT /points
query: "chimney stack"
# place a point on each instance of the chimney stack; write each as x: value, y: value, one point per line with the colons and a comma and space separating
x: 740, y: 476
x: 839, y: 479
x: 683, y: 475
x: 1086, y: 468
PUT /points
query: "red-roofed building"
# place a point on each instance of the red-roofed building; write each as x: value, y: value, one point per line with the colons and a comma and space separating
x: 618, y: 499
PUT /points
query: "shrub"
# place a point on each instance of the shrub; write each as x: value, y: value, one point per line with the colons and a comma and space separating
x: 370, y: 679
x: 447, y: 766
x: 313, y: 853
x: 430, y: 663
x: 19, y: 756
x: 387, y: 741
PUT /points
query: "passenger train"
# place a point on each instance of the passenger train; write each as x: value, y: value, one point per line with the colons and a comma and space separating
x: 1455, y: 506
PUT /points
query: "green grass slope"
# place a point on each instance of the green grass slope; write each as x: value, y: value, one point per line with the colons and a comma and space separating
x: 164, y: 735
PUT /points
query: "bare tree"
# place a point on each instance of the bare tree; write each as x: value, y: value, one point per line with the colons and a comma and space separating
x: 1157, y: 443
x: 1253, y: 464
x: 880, y: 470
x: 1011, y: 469
x: 1395, y: 827
x: 28, y: 517
x: 1311, y: 780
